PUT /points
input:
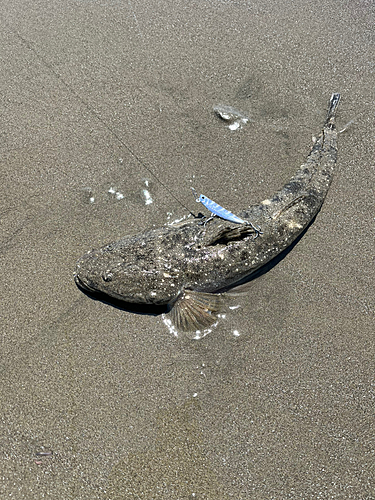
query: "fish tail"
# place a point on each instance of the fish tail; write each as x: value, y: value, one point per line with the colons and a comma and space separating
x: 333, y: 103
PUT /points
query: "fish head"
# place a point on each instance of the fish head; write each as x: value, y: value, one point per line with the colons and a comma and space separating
x: 126, y: 272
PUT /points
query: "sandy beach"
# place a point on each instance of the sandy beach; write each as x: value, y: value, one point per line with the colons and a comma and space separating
x: 106, y: 123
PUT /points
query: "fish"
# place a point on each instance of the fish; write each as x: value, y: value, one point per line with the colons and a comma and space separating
x: 186, y: 266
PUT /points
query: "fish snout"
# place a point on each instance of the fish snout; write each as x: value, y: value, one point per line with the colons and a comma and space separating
x: 84, y: 274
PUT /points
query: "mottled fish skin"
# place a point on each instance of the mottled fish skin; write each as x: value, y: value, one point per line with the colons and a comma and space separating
x: 176, y: 263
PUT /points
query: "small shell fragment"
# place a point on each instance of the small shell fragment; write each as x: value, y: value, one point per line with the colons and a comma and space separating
x: 236, y: 119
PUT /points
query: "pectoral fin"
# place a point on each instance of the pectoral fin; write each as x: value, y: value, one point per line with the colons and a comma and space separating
x: 195, y: 310
x: 227, y: 234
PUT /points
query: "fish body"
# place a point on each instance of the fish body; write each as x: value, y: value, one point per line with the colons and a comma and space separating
x: 186, y: 264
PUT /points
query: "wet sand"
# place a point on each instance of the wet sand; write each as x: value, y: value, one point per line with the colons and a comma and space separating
x: 102, y: 100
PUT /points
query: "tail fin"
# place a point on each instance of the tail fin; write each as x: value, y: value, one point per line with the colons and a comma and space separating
x: 333, y: 103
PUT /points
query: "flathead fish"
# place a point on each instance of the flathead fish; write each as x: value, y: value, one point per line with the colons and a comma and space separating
x: 187, y: 265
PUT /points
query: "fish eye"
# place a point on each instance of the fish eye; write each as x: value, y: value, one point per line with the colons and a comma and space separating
x: 203, y: 197
x: 108, y: 248
x: 107, y: 276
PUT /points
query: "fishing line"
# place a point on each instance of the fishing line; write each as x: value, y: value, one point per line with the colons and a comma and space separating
x: 58, y: 76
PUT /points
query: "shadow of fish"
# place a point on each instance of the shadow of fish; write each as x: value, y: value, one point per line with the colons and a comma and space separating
x: 187, y: 265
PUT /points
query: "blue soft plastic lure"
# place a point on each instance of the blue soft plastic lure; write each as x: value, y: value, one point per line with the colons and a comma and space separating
x: 220, y: 211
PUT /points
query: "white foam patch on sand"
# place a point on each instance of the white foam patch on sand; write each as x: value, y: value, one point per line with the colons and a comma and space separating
x: 148, y: 199
x: 146, y: 193
x: 117, y: 194
x: 234, y: 126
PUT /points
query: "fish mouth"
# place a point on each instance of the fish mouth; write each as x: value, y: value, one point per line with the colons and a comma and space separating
x: 83, y: 284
